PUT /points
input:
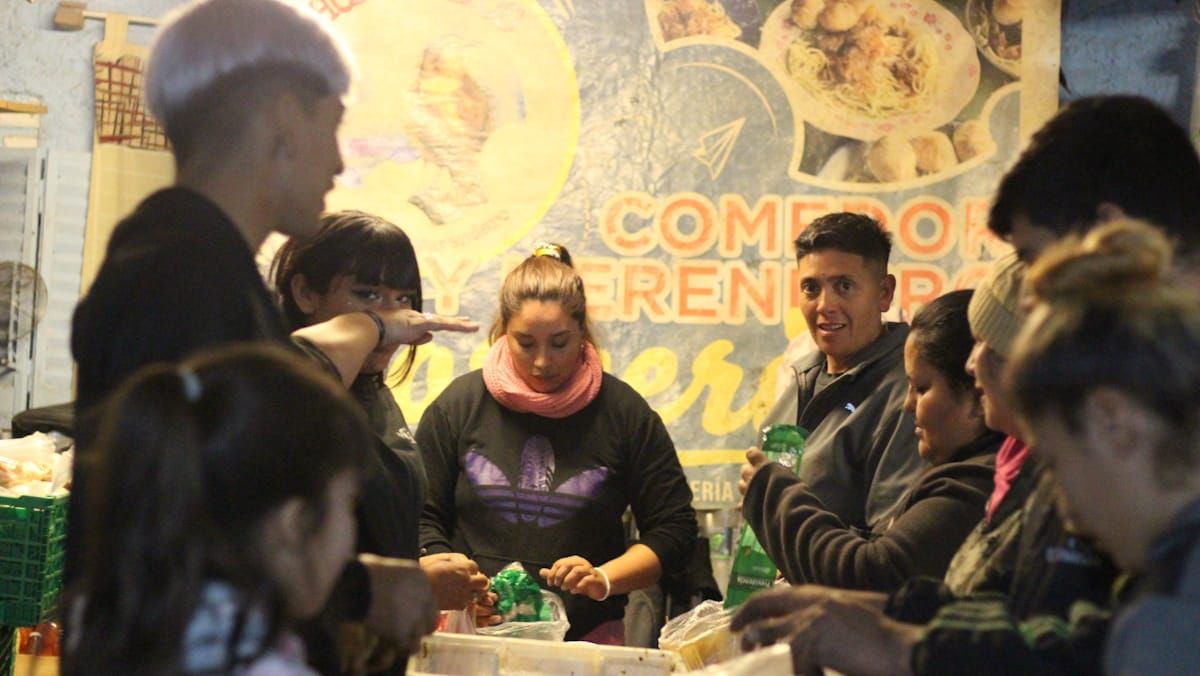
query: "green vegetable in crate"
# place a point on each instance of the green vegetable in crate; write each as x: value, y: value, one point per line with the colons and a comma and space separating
x: 519, y: 598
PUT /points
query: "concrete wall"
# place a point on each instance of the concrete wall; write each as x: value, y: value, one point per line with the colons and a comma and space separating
x: 56, y: 66
x: 1145, y: 47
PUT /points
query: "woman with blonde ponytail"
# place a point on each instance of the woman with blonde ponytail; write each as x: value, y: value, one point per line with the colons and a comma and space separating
x: 535, y: 458
x: 1106, y: 377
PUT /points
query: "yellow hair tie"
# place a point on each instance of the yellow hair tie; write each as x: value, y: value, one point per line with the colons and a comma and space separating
x: 547, y: 249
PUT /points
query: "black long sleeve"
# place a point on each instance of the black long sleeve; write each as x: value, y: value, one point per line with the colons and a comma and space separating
x: 812, y: 545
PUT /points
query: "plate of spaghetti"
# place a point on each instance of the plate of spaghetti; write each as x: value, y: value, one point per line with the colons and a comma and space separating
x: 864, y: 69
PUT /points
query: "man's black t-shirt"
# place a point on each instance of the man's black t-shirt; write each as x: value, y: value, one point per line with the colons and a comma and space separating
x: 177, y: 277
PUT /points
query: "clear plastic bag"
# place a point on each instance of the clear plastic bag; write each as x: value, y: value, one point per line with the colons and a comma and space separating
x: 701, y: 636
x: 554, y: 629
x: 457, y: 621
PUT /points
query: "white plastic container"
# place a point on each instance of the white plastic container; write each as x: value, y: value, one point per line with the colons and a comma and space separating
x: 776, y: 659
x: 462, y: 654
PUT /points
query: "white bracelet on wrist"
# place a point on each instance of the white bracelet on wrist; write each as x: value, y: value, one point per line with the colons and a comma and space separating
x: 607, y: 584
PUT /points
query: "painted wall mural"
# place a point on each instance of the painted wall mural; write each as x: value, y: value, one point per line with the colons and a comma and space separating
x: 677, y: 147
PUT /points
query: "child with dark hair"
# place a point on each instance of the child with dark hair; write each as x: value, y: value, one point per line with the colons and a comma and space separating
x: 810, y: 544
x: 221, y: 542
x: 861, y: 454
x: 535, y: 458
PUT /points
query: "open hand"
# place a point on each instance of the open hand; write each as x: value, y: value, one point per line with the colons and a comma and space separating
x: 576, y: 575
x: 455, y: 579
x: 827, y: 629
x: 409, y: 327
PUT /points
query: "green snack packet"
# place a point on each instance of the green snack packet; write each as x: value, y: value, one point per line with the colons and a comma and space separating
x: 519, y: 598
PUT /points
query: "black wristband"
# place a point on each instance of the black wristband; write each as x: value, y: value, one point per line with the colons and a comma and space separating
x: 379, y: 325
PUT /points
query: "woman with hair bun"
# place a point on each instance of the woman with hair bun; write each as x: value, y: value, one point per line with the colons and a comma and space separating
x: 1107, y: 380
x: 535, y: 457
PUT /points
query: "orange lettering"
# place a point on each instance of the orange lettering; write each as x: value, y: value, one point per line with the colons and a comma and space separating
x: 600, y: 285
x: 918, y: 284
x: 926, y: 210
x: 762, y: 292
x: 741, y: 227
x: 871, y: 207
x: 612, y: 227
x: 447, y: 286
x: 977, y: 238
x: 704, y: 232
x: 645, y: 288
x: 803, y: 210
x: 697, y: 293
x: 791, y: 292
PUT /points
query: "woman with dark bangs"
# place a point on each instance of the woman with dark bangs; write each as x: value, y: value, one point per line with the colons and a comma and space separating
x: 361, y: 265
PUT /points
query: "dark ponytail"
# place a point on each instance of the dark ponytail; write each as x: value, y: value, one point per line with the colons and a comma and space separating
x: 150, y: 467
x: 189, y: 460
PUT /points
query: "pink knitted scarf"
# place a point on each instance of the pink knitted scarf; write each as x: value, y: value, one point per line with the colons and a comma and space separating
x: 502, y: 380
x: 1009, y: 460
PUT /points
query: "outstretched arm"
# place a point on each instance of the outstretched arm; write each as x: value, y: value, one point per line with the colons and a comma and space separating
x: 348, y: 339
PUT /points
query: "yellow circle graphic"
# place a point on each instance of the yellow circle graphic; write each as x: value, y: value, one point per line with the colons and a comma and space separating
x: 465, y: 121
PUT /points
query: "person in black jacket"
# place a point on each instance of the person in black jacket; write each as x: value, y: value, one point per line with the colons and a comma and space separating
x: 250, y: 95
x: 810, y: 544
x: 358, y: 262
x: 224, y: 543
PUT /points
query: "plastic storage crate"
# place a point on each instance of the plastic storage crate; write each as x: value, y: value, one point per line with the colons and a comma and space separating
x: 8, y: 650
x: 33, y: 533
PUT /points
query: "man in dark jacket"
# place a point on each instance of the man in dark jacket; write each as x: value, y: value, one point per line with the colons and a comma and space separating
x: 861, y: 453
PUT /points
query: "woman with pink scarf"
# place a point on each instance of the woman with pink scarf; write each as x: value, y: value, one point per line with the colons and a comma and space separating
x: 535, y: 458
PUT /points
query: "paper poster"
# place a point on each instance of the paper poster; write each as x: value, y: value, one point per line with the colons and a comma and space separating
x: 129, y: 149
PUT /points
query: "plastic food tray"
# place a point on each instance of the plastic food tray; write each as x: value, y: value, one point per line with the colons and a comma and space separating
x: 463, y: 654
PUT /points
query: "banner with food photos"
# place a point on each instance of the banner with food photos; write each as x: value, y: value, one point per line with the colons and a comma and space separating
x: 677, y: 147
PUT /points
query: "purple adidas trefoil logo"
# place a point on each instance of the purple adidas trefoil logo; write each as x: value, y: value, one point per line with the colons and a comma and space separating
x: 533, y: 499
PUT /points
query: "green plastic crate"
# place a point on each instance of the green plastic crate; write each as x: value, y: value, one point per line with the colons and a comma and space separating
x: 33, y: 538
x: 8, y: 650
